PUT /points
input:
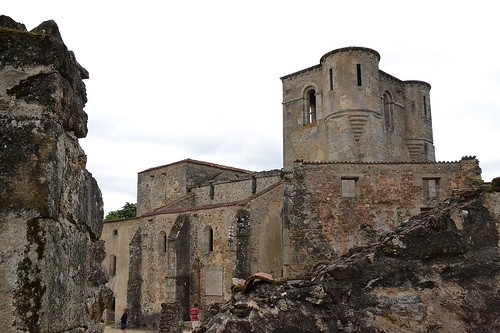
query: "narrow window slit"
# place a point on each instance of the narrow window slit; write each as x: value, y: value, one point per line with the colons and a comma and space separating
x: 331, y: 78
x: 358, y: 72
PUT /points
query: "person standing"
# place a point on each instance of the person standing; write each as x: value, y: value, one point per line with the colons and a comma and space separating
x: 123, y: 320
x: 194, y: 313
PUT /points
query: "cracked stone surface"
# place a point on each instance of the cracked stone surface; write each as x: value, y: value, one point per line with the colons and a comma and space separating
x: 437, y: 272
x: 51, y: 211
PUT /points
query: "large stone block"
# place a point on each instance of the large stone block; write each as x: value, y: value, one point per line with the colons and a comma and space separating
x: 51, y: 208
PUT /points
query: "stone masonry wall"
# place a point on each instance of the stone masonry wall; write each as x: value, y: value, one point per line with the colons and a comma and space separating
x: 323, y: 219
x: 117, y: 236
x: 185, y: 269
x: 161, y: 185
x: 51, y: 278
x: 229, y: 191
x: 349, y: 122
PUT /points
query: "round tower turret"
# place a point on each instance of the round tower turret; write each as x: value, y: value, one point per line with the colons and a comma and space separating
x: 347, y: 110
x: 351, y: 104
x: 419, y: 138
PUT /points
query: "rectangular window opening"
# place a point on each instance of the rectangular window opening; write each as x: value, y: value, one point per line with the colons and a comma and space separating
x: 430, y: 187
x: 425, y: 106
x: 358, y: 72
x: 349, y: 187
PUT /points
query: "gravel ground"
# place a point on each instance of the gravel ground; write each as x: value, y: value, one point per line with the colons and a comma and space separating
x: 129, y: 330
x: 133, y: 330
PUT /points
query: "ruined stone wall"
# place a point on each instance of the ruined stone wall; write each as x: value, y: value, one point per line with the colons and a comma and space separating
x: 50, y: 206
x: 246, y: 239
x: 156, y: 231
x: 157, y: 186
x: 437, y: 272
x: 209, y: 260
x: 331, y: 208
x: 265, y: 245
x: 171, y: 318
x: 134, y: 282
x: 353, y: 121
x: 396, y: 132
x: 419, y: 139
x: 164, y: 250
x: 117, y: 236
x: 299, y: 141
x: 230, y: 191
x: 161, y: 185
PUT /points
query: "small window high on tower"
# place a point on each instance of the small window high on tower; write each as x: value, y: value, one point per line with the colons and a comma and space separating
x: 388, y: 111
x: 310, y: 111
x: 358, y: 74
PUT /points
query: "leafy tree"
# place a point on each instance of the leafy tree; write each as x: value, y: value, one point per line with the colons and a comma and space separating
x: 127, y: 211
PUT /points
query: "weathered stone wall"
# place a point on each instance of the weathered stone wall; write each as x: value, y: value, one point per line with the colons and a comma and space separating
x: 419, y: 137
x: 350, y: 112
x: 50, y: 205
x: 321, y: 221
x: 161, y: 185
x: 230, y: 191
x: 171, y: 318
x: 437, y: 272
x: 306, y: 142
x: 157, y: 186
x: 393, y: 141
x: 265, y: 228
x: 187, y: 268
x: 134, y: 281
x: 118, y: 237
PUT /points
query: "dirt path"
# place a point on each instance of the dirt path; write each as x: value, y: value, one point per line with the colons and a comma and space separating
x: 133, y: 330
x: 129, y: 330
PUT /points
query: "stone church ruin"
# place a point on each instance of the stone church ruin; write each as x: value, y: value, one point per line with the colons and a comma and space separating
x: 361, y: 230
x: 359, y: 163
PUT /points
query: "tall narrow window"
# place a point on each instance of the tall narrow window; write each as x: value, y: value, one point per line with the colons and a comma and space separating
x: 330, y: 74
x: 162, y: 242
x: 388, y: 111
x: 254, y: 185
x: 208, y: 239
x: 310, y: 111
x: 112, y: 265
x: 212, y: 190
x: 425, y: 106
x: 358, y: 74
x: 211, y: 240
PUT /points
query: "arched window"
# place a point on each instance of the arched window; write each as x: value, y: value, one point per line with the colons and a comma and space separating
x: 112, y: 265
x: 310, y: 110
x: 388, y: 111
x: 162, y: 242
x: 208, y: 239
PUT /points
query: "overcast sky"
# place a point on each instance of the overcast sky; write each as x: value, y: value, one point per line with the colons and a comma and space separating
x: 199, y: 79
